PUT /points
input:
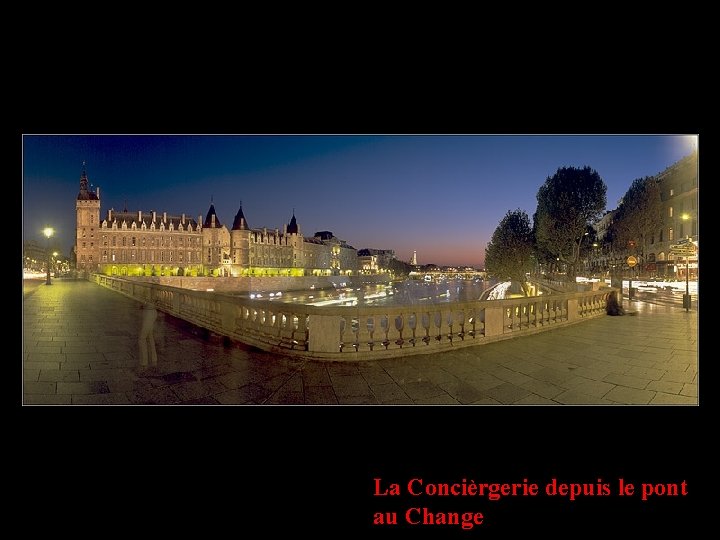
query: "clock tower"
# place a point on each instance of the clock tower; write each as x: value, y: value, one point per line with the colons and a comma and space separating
x: 87, y: 208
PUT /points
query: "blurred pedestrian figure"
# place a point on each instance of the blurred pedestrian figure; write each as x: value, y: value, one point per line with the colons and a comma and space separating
x: 612, y: 306
x: 146, y: 341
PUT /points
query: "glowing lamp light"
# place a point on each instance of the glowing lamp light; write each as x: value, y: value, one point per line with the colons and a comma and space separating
x: 48, y: 232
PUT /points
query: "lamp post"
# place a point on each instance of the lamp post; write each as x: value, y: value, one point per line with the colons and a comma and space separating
x: 48, y: 232
x: 594, y: 259
x: 686, y: 296
x: 579, y: 247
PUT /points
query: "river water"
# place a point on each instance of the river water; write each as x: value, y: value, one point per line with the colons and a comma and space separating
x: 397, y: 293
x: 417, y: 292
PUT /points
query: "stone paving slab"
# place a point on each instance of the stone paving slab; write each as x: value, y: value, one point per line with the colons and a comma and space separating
x: 534, y: 399
x: 672, y: 399
x: 74, y: 353
x: 665, y: 387
x: 320, y: 395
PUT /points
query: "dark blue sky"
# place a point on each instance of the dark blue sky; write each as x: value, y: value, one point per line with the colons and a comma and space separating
x: 440, y: 195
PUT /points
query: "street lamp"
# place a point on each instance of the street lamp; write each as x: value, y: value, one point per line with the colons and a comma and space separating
x: 686, y: 296
x: 580, y: 245
x: 594, y: 259
x: 48, y: 232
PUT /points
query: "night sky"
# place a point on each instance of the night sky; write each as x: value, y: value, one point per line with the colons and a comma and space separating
x: 440, y: 195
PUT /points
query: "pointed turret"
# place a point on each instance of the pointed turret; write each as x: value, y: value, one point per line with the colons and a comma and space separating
x: 292, y: 227
x: 211, y: 220
x: 240, y: 223
x: 85, y: 194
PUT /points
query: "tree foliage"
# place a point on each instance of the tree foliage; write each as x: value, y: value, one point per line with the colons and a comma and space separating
x: 568, y: 202
x: 508, y: 255
x: 639, y: 216
x: 400, y: 268
x: 543, y: 257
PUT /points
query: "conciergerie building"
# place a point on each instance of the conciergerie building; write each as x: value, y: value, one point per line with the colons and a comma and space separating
x: 153, y: 244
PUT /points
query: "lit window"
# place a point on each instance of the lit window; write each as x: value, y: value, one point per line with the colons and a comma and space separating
x: 671, y: 236
x: 672, y: 192
x: 670, y: 211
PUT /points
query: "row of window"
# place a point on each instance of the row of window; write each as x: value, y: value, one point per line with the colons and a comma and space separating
x: 159, y: 241
x: 683, y: 231
x: 684, y: 187
x: 149, y: 256
x: 152, y: 227
x: 269, y: 239
x: 268, y: 261
x: 683, y: 205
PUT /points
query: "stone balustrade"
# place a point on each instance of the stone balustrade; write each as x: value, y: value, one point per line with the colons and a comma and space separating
x: 362, y: 332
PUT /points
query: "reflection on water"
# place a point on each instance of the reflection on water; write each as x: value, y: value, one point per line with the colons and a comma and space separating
x: 399, y: 293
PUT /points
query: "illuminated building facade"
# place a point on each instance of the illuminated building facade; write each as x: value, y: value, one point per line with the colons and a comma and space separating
x: 87, y: 210
x: 372, y: 261
x: 679, y: 194
x: 148, y: 243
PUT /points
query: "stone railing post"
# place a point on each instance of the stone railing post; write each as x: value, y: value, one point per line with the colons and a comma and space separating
x: 572, y: 313
x: 227, y: 317
x: 494, y: 316
x: 324, y: 333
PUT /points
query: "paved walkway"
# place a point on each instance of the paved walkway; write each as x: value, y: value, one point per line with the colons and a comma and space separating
x: 81, y: 347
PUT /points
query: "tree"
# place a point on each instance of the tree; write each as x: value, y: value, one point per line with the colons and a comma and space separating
x: 399, y: 268
x: 508, y: 255
x: 546, y: 261
x: 639, y: 216
x: 568, y: 202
